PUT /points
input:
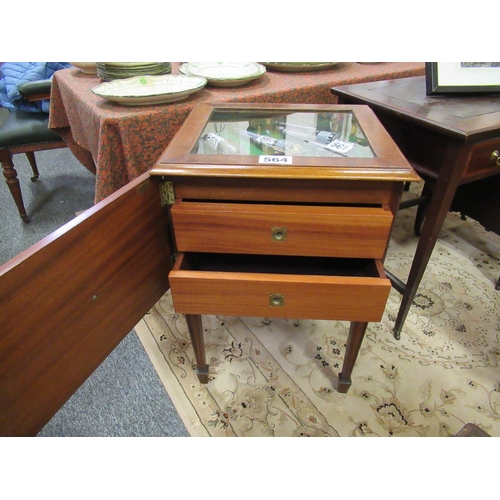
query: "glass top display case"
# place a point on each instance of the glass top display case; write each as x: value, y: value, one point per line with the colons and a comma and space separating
x: 292, y: 140
x: 283, y: 133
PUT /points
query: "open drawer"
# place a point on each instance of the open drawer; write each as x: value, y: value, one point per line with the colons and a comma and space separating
x: 279, y: 286
x: 282, y: 229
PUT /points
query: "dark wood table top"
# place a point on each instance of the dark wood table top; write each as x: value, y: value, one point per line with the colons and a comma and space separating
x: 463, y: 117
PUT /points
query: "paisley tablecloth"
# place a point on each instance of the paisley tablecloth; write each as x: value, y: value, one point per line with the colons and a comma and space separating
x: 122, y: 142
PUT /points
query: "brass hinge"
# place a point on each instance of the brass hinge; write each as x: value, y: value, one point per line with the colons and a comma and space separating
x: 167, y: 193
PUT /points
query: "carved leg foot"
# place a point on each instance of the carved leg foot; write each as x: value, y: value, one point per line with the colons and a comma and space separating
x: 202, y: 375
x: 397, y: 333
x: 343, y: 384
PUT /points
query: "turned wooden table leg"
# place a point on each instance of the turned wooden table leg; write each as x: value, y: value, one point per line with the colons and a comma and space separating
x: 354, y: 340
x: 195, y: 329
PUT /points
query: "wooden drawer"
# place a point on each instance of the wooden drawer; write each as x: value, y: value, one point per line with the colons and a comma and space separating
x: 481, y: 161
x: 276, y: 286
x: 329, y: 231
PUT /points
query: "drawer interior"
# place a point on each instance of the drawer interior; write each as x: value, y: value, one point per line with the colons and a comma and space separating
x: 277, y: 264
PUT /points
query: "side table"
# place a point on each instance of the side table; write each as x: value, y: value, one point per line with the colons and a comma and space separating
x: 282, y: 211
x: 451, y: 141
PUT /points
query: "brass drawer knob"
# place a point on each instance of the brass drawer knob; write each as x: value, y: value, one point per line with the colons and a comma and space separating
x: 278, y: 233
x: 276, y: 300
x: 495, y: 157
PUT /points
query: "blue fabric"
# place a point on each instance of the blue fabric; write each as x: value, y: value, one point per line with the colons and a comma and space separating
x: 13, y: 73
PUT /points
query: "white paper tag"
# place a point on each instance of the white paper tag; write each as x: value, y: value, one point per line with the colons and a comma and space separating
x: 339, y: 146
x: 276, y: 160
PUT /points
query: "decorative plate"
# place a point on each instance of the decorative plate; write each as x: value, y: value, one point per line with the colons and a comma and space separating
x: 299, y: 66
x: 158, y: 89
x: 224, y: 74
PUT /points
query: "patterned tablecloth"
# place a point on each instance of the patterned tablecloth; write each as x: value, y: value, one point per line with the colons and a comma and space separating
x: 121, y: 142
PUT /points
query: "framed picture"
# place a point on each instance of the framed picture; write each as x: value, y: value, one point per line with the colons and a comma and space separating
x: 462, y: 77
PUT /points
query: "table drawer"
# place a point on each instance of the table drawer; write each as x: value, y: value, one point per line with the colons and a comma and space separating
x: 275, y: 286
x: 485, y: 158
x: 329, y: 231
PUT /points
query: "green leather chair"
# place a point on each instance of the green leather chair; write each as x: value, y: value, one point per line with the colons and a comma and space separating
x: 24, y: 132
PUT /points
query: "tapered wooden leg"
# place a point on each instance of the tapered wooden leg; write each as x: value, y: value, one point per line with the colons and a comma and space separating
x: 195, y: 329
x: 422, y: 208
x: 10, y: 174
x: 354, y: 340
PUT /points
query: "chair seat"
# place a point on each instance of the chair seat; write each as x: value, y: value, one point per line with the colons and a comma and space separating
x: 24, y: 129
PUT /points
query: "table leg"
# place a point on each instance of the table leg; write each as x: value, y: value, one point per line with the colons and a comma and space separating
x: 423, y: 207
x: 195, y: 329
x: 440, y: 202
x: 356, y: 334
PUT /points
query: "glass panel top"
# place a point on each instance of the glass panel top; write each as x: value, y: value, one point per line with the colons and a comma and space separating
x: 308, y: 133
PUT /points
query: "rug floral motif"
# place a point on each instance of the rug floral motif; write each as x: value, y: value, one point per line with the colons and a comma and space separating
x: 277, y: 377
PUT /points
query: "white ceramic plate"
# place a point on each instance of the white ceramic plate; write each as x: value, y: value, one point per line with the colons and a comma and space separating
x: 299, y: 66
x: 224, y: 74
x: 141, y: 90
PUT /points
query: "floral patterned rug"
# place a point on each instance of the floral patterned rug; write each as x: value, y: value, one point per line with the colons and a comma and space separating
x: 272, y: 377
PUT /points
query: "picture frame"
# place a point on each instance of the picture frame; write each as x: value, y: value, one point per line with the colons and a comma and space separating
x: 462, y: 77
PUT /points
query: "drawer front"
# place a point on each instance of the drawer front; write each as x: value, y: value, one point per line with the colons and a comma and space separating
x: 360, y: 232
x: 237, y: 293
x: 485, y: 158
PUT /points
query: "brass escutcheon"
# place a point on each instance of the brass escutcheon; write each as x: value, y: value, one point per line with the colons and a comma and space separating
x: 278, y: 233
x: 276, y: 299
